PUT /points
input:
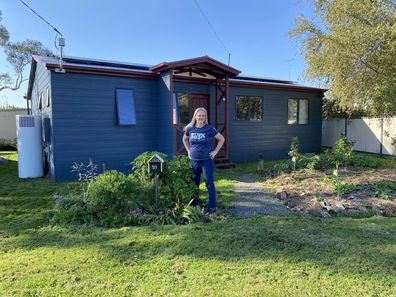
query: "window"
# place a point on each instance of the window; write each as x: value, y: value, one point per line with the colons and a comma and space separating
x: 125, y: 107
x: 47, y: 98
x: 303, y: 112
x: 40, y: 105
x: 180, y: 108
x: 242, y: 108
x: 297, y: 111
x: 249, y: 108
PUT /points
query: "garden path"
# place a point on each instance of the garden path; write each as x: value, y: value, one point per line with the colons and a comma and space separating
x: 251, y: 199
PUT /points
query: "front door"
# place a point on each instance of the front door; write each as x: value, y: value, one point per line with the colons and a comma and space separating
x: 195, y: 101
x: 199, y: 100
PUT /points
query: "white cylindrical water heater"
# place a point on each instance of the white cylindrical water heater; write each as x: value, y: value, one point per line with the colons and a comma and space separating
x: 30, y: 155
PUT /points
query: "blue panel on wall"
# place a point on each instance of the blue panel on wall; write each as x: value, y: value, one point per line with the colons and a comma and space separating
x: 125, y: 107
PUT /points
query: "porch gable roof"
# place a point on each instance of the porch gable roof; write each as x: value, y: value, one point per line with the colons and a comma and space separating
x: 200, y: 64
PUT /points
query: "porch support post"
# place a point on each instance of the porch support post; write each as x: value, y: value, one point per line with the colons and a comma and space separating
x: 226, y: 106
x: 171, y: 107
x: 221, y: 123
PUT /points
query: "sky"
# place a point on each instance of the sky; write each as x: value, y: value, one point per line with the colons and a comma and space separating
x: 153, y: 31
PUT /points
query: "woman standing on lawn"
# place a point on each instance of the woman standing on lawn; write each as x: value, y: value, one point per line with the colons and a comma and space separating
x: 197, y: 139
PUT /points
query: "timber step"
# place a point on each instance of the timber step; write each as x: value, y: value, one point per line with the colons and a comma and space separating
x: 223, y: 163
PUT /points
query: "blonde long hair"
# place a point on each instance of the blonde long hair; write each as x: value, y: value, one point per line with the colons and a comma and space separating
x: 193, y: 120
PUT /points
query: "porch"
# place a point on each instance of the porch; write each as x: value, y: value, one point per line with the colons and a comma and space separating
x: 209, y: 79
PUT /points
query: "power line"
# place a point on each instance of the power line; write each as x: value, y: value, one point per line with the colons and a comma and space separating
x: 214, y: 31
x: 56, y: 30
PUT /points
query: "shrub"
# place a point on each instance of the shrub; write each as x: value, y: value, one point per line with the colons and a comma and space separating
x: 366, y: 161
x: 312, y: 161
x: 140, y: 167
x: 341, y: 153
x: 109, y: 199
x: 282, y: 167
x: 112, y: 195
x: 8, y: 145
x: 70, y: 210
x: 176, y: 184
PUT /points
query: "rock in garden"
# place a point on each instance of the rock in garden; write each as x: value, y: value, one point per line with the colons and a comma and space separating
x: 291, y: 204
x: 339, y: 206
x: 325, y: 214
x: 379, y: 206
x: 282, y: 195
x: 352, y: 197
x: 325, y: 205
x: 3, y: 160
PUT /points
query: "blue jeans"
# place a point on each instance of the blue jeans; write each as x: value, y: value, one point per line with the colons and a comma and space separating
x: 207, y: 167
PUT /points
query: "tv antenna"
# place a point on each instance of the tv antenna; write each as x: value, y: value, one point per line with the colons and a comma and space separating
x: 59, y: 40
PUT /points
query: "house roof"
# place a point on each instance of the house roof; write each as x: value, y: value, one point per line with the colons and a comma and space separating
x: 197, y: 65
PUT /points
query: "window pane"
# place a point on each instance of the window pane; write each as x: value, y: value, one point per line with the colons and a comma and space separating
x: 256, y: 108
x: 182, y: 104
x: 125, y: 107
x: 40, y: 107
x: 292, y: 111
x: 303, y: 112
x: 48, y: 98
x: 242, y: 108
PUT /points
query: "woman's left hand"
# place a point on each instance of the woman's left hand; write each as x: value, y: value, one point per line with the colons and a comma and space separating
x: 213, y: 154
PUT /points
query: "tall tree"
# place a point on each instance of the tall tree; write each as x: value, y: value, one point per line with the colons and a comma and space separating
x: 19, y: 55
x: 350, y: 48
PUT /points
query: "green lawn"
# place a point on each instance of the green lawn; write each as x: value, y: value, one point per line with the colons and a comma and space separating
x: 262, y: 256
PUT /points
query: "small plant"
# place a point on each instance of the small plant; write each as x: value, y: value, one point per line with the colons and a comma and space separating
x: 193, y: 214
x: 294, y: 152
x: 311, y: 161
x: 85, y: 174
x: 337, y: 186
x: 384, y: 189
x: 282, y: 167
x: 341, y: 153
x: 260, y: 167
x: 327, y: 179
x: 344, y: 188
x: 136, y: 216
x: 170, y: 216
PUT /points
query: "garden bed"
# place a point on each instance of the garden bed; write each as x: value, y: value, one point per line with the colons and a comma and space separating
x: 312, y: 192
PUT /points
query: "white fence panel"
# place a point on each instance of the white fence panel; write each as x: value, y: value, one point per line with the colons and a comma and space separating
x: 7, y: 123
x: 366, y: 134
x: 389, y: 132
x: 369, y: 134
x: 332, y: 130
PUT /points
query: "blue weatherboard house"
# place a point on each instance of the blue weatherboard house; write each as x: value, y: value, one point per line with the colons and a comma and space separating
x: 111, y: 112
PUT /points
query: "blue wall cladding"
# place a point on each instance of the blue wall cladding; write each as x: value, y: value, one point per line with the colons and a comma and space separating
x: 271, y: 136
x: 85, y: 121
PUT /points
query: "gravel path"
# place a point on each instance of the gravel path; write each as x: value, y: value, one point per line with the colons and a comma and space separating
x: 252, y: 200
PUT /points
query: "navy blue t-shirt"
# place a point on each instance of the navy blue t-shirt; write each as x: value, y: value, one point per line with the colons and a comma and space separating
x: 201, y: 141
